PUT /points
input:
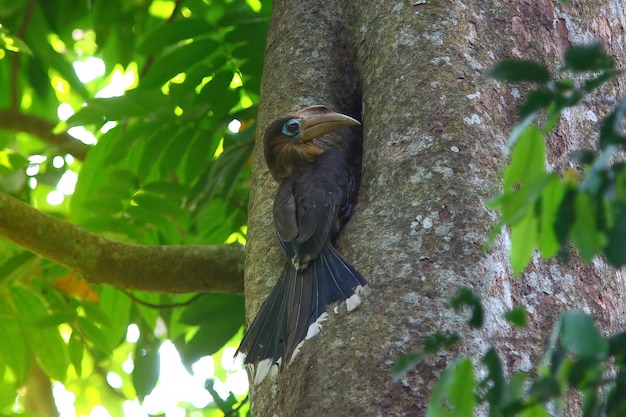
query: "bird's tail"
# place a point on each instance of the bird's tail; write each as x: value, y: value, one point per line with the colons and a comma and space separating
x: 296, y: 307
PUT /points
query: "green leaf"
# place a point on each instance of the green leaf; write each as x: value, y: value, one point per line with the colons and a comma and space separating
x: 116, y: 306
x: 528, y: 159
x: 172, y: 33
x: 466, y: 297
x: 537, y: 100
x: 218, y: 94
x: 519, y: 70
x: 611, y: 131
x: 536, y: 410
x: 12, y: 43
x: 147, y: 362
x: 95, y: 314
x: 225, y: 406
x: 179, y: 59
x: 617, y: 345
x: 219, y: 317
x: 495, y: 375
x: 174, y: 151
x: 580, y: 336
x: 406, y: 364
x: 587, y: 58
x: 15, y: 263
x: 438, y: 341
x: 454, y: 392
x: 587, y: 238
x: 42, y: 49
x: 134, y: 103
x: 551, y: 199
x: 615, y: 250
x: 517, y: 316
x: 545, y: 389
x: 565, y: 215
x: 14, y: 350
x: 200, y: 151
x: 524, y: 236
x: 47, y: 343
x: 75, y: 350
x: 8, y: 394
x: 153, y: 149
x: 594, y: 83
x: 210, y: 307
x: 584, y: 373
x: 96, y: 335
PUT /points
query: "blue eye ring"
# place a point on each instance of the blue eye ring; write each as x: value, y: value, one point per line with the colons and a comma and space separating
x: 291, y: 127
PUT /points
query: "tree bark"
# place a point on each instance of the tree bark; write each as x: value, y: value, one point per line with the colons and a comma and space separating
x: 434, y: 135
x: 173, y: 269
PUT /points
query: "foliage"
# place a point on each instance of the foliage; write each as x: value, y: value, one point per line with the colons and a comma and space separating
x: 545, y: 209
x: 578, y: 359
x: 159, y: 166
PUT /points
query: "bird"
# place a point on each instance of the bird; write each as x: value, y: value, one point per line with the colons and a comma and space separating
x: 311, y: 206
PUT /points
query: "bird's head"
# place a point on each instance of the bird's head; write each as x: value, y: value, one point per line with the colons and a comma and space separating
x: 288, y: 141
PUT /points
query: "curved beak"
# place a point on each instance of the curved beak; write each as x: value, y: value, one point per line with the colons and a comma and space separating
x: 316, y: 121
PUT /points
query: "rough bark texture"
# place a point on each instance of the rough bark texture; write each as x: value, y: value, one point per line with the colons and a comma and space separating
x: 434, y: 136
x: 173, y: 269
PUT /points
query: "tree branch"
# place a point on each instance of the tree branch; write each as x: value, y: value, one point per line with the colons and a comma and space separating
x: 173, y: 269
x: 20, y: 122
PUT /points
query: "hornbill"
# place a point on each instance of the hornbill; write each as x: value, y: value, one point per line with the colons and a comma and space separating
x: 312, y: 204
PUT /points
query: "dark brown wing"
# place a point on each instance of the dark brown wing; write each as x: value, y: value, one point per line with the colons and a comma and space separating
x: 307, y: 205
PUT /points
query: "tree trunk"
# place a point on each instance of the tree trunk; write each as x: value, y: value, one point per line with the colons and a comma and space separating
x: 434, y: 135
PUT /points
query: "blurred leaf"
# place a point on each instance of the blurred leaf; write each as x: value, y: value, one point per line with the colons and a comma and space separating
x: 218, y: 317
x: 594, y: 83
x: 517, y: 316
x: 133, y: 103
x: 551, y: 198
x: 528, y: 159
x: 95, y: 334
x: 172, y: 33
x: 524, y: 236
x: 495, y: 375
x: 589, y: 240
x: 146, y: 370
x: 406, y: 365
x: 544, y: 389
x: 580, y: 336
x: 40, y: 47
x: 466, y: 297
x: 454, y: 392
x: 155, y: 143
x: 438, y: 341
x: 116, y: 306
x: 47, y: 343
x: 178, y: 60
x: 7, y: 395
x: 12, y: 43
x: 75, y: 350
x: 587, y: 58
x: 519, y: 70
x: 537, y: 100
x: 218, y: 94
x: 612, y: 129
x: 15, y: 263
x: 14, y: 350
x: 172, y: 154
x: 225, y: 406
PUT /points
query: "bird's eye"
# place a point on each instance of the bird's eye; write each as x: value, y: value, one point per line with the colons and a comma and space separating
x: 291, y: 127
